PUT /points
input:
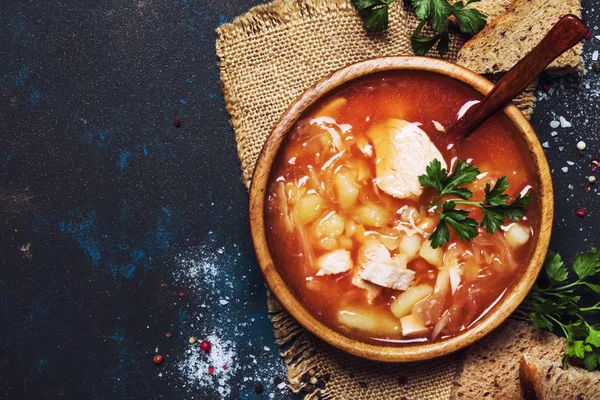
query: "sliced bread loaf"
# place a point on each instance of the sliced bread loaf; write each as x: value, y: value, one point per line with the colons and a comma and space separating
x: 546, y: 380
x: 490, y: 8
x: 490, y: 367
x: 504, y: 41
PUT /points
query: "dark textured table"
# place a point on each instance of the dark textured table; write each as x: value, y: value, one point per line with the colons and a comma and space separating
x: 119, y: 229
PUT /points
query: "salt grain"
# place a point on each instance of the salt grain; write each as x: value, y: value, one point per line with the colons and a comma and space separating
x: 564, y: 123
x: 223, y: 302
x: 565, y: 169
x: 554, y: 124
x: 570, y: 163
x: 545, y: 144
x: 196, y: 365
x: 595, y: 55
x: 553, y: 133
x: 267, y: 349
x: 281, y: 385
x: 571, y: 186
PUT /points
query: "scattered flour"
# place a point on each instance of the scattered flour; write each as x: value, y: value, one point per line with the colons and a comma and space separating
x: 196, y: 364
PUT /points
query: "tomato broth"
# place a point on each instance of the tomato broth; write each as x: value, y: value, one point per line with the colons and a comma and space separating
x: 360, y: 259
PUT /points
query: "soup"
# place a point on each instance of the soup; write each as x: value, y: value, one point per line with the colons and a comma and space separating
x: 356, y: 242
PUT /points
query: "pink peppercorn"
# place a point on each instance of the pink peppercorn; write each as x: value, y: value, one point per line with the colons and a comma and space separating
x: 581, y: 212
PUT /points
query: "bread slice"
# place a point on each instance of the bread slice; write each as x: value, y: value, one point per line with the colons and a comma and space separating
x: 492, y: 9
x: 503, y: 42
x: 546, y: 380
x: 490, y: 367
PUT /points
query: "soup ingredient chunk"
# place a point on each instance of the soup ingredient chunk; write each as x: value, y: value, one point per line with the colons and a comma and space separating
x: 412, y: 326
x: 402, y: 152
x: 405, y: 302
x: 379, y: 267
x: 334, y: 262
x: 517, y: 235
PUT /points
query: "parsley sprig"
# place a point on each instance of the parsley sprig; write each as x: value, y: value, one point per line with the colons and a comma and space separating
x: 495, y: 205
x: 556, y: 304
x: 374, y: 14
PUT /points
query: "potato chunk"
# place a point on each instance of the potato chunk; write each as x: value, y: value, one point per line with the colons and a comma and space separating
x: 308, y: 208
x: 332, y: 225
x: 404, y: 303
x: 373, y: 215
x: 346, y: 189
x: 366, y: 320
x: 517, y: 235
x: 412, y: 326
x: 409, y: 246
x: 433, y: 256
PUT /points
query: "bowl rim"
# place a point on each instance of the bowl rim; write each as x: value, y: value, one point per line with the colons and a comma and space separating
x: 414, y: 352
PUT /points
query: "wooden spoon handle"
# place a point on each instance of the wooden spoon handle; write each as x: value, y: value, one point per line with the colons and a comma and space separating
x: 567, y: 32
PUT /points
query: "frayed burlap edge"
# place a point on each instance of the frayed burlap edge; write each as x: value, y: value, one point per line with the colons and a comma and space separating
x: 261, y: 20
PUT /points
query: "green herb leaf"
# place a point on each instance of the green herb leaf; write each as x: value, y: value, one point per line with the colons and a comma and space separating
x: 374, y: 14
x: 590, y: 361
x: 444, y: 44
x: 496, y: 196
x: 493, y: 218
x: 558, y: 305
x: 465, y: 228
x: 435, y: 175
x: 555, y: 268
x: 440, y: 235
x: 438, y: 18
x: 587, y: 264
x: 421, y: 45
x: 463, y: 174
x: 422, y: 8
x: 470, y: 21
x: 593, y: 337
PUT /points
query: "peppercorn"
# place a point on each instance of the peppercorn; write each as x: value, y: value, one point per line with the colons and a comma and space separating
x: 205, y: 346
x: 177, y: 122
x: 596, y: 66
x: 259, y: 388
x: 157, y: 359
x: 192, y: 340
x: 581, y: 212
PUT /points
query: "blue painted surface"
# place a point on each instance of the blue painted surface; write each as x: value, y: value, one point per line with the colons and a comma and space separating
x: 106, y: 207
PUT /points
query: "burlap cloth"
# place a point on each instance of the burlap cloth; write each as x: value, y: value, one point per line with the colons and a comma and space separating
x: 268, y: 57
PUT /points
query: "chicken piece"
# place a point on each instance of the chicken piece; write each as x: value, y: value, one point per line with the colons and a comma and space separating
x: 334, y: 262
x: 403, y: 151
x: 376, y: 265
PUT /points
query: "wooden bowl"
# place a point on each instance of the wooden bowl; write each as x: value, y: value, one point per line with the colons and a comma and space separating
x: 413, y: 352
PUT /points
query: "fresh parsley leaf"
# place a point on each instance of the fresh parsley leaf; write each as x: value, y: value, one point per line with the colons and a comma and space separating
x: 374, y: 14
x: 593, y: 287
x: 440, y: 235
x: 422, y: 8
x: 496, y: 196
x: 465, y: 228
x: 590, y: 361
x: 463, y: 174
x: 555, y: 268
x: 435, y: 175
x: 438, y: 18
x: 587, y: 264
x: 540, y: 321
x: 493, y: 218
x: 593, y: 337
x: 558, y: 306
x: 443, y: 44
x: 470, y: 20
